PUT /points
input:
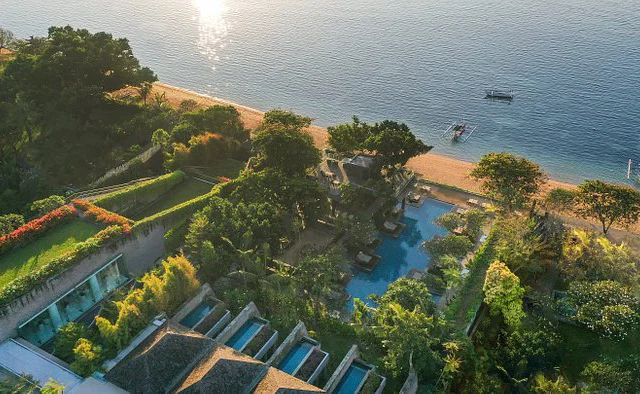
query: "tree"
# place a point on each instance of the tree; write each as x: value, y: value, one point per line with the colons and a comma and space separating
x: 87, y: 357
x: 519, y: 246
x: 286, y: 119
x: 6, y: 38
x: 503, y: 294
x: 394, y: 144
x: 451, y: 270
x: 66, y: 339
x: 607, y: 307
x: 161, y: 137
x: 316, y: 274
x: 52, y: 387
x: 286, y: 149
x: 25, y: 384
x: 560, y: 199
x: 608, y: 203
x: 46, y: 205
x: 10, y: 222
x: 510, y: 179
x: 525, y: 352
x: 349, y: 137
x: 587, y: 256
x: 451, y: 244
x: 450, y: 221
x: 409, y: 293
x: 612, y: 376
x: 145, y: 91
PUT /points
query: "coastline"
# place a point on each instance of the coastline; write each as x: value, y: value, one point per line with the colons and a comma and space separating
x: 430, y: 166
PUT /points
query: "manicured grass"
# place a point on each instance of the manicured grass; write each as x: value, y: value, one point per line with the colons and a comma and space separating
x: 229, y: 168
x: 581, y: 346
x: 41, y: 251
x: 187, y: 190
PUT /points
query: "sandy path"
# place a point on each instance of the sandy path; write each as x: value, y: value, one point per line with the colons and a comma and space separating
x: 431, y: 166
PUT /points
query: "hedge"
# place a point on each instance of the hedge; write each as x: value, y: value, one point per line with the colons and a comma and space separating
x: 470, y: 294
x: 36, y: 228
x: 183, y: 210
x: 174, y: 238
x: 26, y: 283
x: 145, y: 192
x: 101, y: 215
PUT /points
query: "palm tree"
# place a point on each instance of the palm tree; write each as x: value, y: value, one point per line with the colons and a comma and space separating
x: 145, y: 90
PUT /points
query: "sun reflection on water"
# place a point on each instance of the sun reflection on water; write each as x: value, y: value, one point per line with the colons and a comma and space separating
x: 212, y: 27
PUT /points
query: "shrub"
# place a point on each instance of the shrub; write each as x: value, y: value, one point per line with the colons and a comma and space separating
x: 66, y: 339
x: 41, y: 207
x: 101, y: 215
x: 183, y: 210
x: 451, y: 244
x: 142, y: 193
x: 88, y: 357
x: 36, y: 228
x: 174, y: 238
x: 10, y: 222
x: 561, y: 199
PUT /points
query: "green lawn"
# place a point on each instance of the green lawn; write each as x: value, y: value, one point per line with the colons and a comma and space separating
x: 185, y: 191
x: 229, y: 168
x: 41, y: 251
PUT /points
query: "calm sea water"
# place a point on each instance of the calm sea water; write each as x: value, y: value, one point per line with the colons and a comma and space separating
x: 574, y: 65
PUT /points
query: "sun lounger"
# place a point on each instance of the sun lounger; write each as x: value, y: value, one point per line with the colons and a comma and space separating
x: 362, y: 257
x: 425, y: 188
x: 485, y: 205
x: 412, y: 197
x: 472, y: 201
x: 461, y: 211
x: 390, y: 226
x: 458, y: 231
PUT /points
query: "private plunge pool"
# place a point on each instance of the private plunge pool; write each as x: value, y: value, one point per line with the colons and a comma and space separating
x: 400, y: 255
x: 198, y: 313
x: 352, y: 379
x: 296, y: 356
x: 244, y: 335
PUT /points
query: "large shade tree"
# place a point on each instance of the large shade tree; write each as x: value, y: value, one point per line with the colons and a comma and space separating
x: 503, y: 294
x: 510, y: 179
x: 608, y: 203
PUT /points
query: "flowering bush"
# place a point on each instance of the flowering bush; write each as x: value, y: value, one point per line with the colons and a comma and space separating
x: 101, y: 215
x: 223, y: 179
x: 24, y: 284
x: 36, y: 228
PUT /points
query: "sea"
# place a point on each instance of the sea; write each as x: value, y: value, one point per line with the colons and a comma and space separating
x: 573, y: 65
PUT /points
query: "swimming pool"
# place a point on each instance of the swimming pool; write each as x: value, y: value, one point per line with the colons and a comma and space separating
x: 295, y: 356
x: 400, y: 255
x: 239, y: 340
x: 352, y: 379
x: 197, y: 314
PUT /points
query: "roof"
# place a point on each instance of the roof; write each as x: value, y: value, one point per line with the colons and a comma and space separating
x: 19, y: 359
x: 160, y: 361
x: 276, y: 381
x: 223, y: 370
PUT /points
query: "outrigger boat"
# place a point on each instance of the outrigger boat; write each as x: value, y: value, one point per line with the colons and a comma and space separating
x: 499, y: 95
x: 632, y: 173
x: 458, y: 131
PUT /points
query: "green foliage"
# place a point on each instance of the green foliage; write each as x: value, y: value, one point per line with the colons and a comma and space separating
x: 542, y: 385
x: 175, y: 237
x: 525, y: 352
x: 587, y: 256
x: 176, y: 212
x: 608, y: 203
x: 450, y: 221
x: 142, y: 193
x: 392, y: 142
x: 518, y: 246
x: 66, y: 339
x: 10, y: 222
x: 451, y: 244
x: 408, y: 293
x: 510, y: 179
x: 161, y: 137
x: 560, y: 199
x: 354, y: 197
x: 87, y: 357
x: 25, y: 384
x: 471, y: 221
x: 222, y: 119
x: 203, y: 149
x: 607, y: 307
x: 278, y: 117
x: 503, y: 294
x: 286, y: 149
x: 317, y: 274
x: 451, y: 270
x: 612, y: 376
x: 46, y: 205
x: 361, y: 232
x: 52, y: 387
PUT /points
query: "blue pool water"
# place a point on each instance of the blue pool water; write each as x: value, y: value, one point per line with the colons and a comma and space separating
x: 400, y: 255
x: 244, y: 334
x: 197, y: 314
x: 351, y: 379
x: 295, y: 357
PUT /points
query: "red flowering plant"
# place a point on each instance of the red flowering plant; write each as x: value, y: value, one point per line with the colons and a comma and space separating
x: 35, y: 228
x: 101, y: 215
x: 223, y: 179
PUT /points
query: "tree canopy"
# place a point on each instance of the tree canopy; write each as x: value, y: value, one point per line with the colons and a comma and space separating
x: 510, y: 179
x: 503, y: 293
x: 608, y: 203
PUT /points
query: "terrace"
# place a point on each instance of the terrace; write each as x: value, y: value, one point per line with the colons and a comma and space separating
x: 249, y: 333
x: 187, y: 190
x: 43, y: 250
x: 204, y: 313
x: 354, y: 375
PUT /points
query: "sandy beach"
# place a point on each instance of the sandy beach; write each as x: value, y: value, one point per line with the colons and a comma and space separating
x: 431, y: 166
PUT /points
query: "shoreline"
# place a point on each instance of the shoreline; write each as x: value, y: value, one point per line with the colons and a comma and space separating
x: 431, y: 166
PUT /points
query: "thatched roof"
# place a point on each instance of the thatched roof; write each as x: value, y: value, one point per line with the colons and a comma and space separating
x: 160, y: 361
x: 276, y: 381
